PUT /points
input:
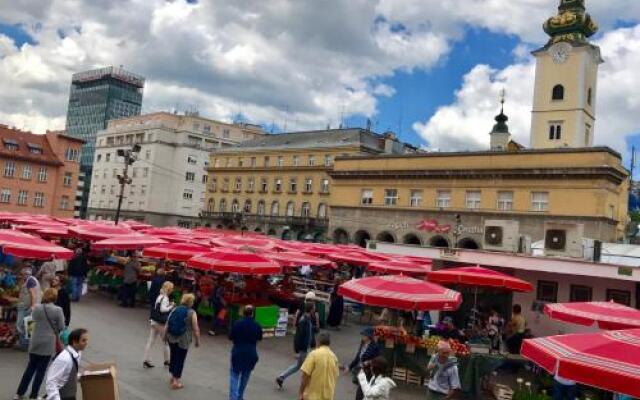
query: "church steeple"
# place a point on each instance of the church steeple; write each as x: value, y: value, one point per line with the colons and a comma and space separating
x: 500, y: 135
x: 572, y: 24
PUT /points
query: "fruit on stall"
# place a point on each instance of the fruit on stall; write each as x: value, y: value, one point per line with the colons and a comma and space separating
x: 7, y: 334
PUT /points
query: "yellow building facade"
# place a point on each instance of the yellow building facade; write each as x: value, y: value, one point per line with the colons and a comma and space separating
x: 279, y: 184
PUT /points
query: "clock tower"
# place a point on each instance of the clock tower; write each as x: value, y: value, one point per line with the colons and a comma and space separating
x: 564, y: 99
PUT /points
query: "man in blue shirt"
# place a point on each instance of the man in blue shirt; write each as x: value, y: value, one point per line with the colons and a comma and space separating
x: 245, y: 335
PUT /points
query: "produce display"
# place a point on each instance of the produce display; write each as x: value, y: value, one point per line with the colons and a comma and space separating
x: 400, y: 336
x: 7, y: 334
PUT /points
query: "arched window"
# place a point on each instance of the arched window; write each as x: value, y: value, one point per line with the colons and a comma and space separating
x: 261, y: 207
x: 235, y: 206
x: 291, y: 208
x: 555, y: 131
x: 247, y: 206
x: 210, y: 205
x: 306, y: 209
x: 322, y: 210
x: 275, y: 208
x: 557, y: 93
x: 589, y: 96
x: 223, y: 205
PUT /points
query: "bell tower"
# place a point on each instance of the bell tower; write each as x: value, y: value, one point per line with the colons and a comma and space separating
x: 564, y: 99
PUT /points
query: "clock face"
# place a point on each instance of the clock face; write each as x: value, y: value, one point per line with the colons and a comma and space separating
x: 559, y: 52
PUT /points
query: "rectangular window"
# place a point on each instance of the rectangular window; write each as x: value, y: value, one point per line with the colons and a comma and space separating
x: 293, y: 185
x: 107, y: 157
x: 132, y: 190
x: 72, y: 154
x: 9, y: 169
x: 251, y: 184
x: 22, y: 197
x: 38, y: 199
x: 225, y: 185
x: 238, y: 184
x: 312, y: 160
x: 619, y: 296
x: 143, y: 190
x: 64, y: 202
x: 187, y: 194
x: 68, y: 177
x: 443, y: 199
x: 473, y: 199
x: 42, y: 174
x: 264, y: 186
x: 308, y: 185
x: 366, y: 197
x: 280, y: 161
x: 205, y: 179
x: 207, y: 129
x: 192, y: 160
x: 147, y: 155
x: 134, y: 173
x: 547, y: 291
x: 505, y: 201
x: 145, y: 172
x: 213, y: 185
x: 296, y: 161
x: 103, y: 189
x: 266, y: 161
x: 390, y: 197
x: 253, y: 161
x: 5, y: 196
x: 226, y: 133
x: 240, y: 162
x: 112, y: 189
x: 580, y: 293
x: 98, y: 158
x: 555, y: 130
x: 415, y: 200
x: 539, y: 201
x: 190, y: 176
x: 104, y: 174
x: 324, y: 186
x: 26, y: 171
x: 114, y: 173
x: 328, y: 160
x: 278, y: 185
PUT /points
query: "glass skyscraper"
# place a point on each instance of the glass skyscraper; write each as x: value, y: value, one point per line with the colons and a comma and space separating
x: 96, y: 97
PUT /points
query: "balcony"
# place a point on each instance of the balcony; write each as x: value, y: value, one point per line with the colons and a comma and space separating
x: 241, y: 218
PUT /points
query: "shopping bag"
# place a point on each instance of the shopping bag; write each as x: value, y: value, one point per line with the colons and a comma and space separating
x: 64, y: 336
x: 85, y: 288
x: 28, y: 326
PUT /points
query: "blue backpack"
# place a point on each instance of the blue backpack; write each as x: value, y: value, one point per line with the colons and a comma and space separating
x: 177, y: 322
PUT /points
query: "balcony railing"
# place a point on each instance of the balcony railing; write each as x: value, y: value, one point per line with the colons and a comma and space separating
x: 273, y: 219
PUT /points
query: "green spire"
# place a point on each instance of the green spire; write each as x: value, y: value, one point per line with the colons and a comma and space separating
x: 501, y: 119
x: 572, y: 24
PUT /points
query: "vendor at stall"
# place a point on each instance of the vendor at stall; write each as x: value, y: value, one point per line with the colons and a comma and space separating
x: 443, y: 368
x: 447, y: 330
x: 130, y: 278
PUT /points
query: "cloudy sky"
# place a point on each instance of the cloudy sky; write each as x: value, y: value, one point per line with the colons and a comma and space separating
x: 430, y: 70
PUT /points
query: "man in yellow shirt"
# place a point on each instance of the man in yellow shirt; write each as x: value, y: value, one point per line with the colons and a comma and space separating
x: 319, y: 372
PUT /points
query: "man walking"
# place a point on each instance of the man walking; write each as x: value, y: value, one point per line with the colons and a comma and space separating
x: 129, y: 280
x: 319, y: 372
x: 62, y: 377
x: 77, y: 273
x: 303, y: 342
x: 445, y: 381
x: 245, y: 335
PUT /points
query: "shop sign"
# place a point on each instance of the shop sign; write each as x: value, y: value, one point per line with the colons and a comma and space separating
x: 434, y: 226
x: 625, y: 271
x: 448, y: 253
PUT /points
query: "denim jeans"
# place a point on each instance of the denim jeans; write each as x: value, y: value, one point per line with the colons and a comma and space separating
x: 295, y: 367
x: 564, y: 392
x: 238, y: 383
x: 36, y: 369
x: 76, y: 287
x: 176, y: 360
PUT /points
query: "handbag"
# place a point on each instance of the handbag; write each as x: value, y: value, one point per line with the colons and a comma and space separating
x: 59, y: 344
x: 157, y: 315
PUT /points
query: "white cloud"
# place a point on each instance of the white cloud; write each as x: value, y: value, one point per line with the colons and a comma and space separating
x: 465, y: 123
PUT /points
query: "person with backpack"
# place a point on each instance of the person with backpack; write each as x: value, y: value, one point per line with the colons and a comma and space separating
x: 303, y: 342
x: 443, y: 368
x: 157, y: 320
x: 379, y: 386
x: 181, y: 329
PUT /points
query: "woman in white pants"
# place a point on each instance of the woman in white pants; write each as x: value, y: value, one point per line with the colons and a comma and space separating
x: 159, y: 313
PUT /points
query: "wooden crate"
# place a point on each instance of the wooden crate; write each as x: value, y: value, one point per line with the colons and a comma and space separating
x: 399, y: 374
x: 268, y: 332
x: 502, y: 392
x: 414, y: 379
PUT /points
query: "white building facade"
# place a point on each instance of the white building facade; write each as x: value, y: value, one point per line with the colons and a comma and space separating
x: 168, y: 178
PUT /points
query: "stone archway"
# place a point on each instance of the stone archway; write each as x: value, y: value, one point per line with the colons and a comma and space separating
x: 360, y: 238
x: 258, y: 229
x: 287, y: 234
x: 412, y: 238
x: 385, y: 237
x: 340, y: 236
x: 219, y: 226
x: 272, y: 232
x: 438, y: 241
x: 244, y: 229
x: 468, y: 243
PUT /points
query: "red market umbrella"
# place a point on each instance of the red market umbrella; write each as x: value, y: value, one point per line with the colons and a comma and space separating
x: 290, y: 245
x: 394, y: 267
x: 607, y: 360
x: 478, y: 276
x: 175, y: 251
x: 167, y: 230
x: 415, y: 259
x: 54, y: 232
x: 235, y: 262
x: 35, y: 227
x: 608, y: 315
x: 98, y: 231
x: 137, y: 225
x: 400, y: 292
x: 127, y: 242
x: 23, y: 245
x: 240, y: 242
x: 297, y: 259
x: 357, y: 257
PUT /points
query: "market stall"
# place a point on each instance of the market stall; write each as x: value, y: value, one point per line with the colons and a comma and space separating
x: 607, y: 315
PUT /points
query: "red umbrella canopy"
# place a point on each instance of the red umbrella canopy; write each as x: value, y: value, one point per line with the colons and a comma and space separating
x: 297, y: 259
x: 175, y: 251
x: 137, y: 225
x: 607, y: 360
x: 127, y: 242
x: 608, y: 315
x: 415, y: 260
x: 290, y: 245
x: 357, y: 257
x: 394, y: 267
x: 167, y: 230
x: 23, y: 245
x: 400, y: 292
x: 54, y: 232
x: 35, y: 227
x: 239, y: 242
x: 238, y: 262
x: 478, y: 276
x: 99, y: 231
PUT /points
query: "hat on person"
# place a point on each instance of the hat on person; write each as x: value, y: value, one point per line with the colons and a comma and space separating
x: 447, y: 320
x: 368, y: 331
x: 27, y: 271
x: 310, y: 295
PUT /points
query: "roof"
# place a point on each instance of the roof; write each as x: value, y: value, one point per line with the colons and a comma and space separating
x: 313, y: 139
x: 25, y: 141
x: 627, y: 255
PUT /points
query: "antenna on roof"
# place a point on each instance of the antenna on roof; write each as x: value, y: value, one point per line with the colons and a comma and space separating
x: 342, y: 116
x: 286, y: 116
x: 368, y: 125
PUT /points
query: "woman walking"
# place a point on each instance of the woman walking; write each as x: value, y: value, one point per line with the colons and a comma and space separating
x: 379, y: 386
x: 162, y: 306
x: 336, y: 307
x: 182, y: 328
x: 367, y: 351
x: 64, y: 299
x: 49, y: 321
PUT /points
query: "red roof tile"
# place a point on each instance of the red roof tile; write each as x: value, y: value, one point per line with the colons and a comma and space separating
x: 25, y: 141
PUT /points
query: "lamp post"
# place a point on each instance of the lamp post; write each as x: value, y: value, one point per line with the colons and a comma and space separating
x: 130, y: 156
x: 457, y: 231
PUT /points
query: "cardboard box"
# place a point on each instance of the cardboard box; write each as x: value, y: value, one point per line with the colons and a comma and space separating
x: 98, y: 382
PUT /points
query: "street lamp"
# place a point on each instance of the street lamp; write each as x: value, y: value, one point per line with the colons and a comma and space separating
x: 130, y: 156
x: 457, y: 231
